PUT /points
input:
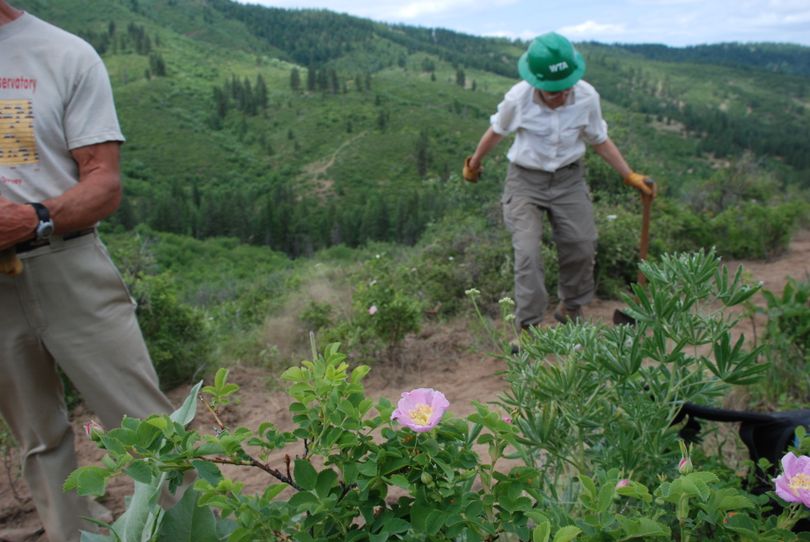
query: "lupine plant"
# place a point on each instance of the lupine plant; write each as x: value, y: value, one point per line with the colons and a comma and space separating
x: 590, y: 397
x: 586, y: 425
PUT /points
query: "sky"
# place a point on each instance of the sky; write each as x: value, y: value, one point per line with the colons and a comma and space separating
x: 671, y: 22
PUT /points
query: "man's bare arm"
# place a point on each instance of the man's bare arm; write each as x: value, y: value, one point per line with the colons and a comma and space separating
x: 98, y: 193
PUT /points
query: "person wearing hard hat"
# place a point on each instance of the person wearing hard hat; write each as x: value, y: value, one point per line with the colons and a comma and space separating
x: 555, y: 116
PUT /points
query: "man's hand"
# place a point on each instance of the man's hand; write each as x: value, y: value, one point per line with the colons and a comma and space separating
x: 471, y: 174
x: 18, y: 222
x: 642, y: 183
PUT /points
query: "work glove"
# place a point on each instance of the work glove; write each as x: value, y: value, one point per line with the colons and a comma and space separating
x: 471, y: 174
x: 10, y: 264
x: 642, y: 183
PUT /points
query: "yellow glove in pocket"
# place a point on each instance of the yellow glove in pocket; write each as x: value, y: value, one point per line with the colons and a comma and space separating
x: 640, y: 182
x: 10, y: 264
x: 470, y: 174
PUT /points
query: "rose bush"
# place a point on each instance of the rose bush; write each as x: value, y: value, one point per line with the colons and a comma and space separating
x: 586, y: 425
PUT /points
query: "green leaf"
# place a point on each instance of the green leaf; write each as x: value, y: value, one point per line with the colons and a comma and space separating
x: 567, y: 533
x: 273, y: 491
x: 88, y: 481
x: 303, y: 501
x: 742, y: 524
x: 142, y: 512
x: 542, y: 531
x: 434, y: 522
x: 208, y: 471
x: 642, y: 528
x: 367, y: 469
x: 305, y: 474
x: 734, y: 502
x: 139, y: 471
x: 187, y: 522
x: 188, y: 409
x: 327, y: 479
x: 400, y: 481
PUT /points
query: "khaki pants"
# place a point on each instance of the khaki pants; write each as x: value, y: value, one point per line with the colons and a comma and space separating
x: 528, y: 196
x: 69, y: 308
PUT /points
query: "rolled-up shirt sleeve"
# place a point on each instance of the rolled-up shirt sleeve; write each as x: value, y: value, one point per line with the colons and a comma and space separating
x: 596, y: 130
x: 507, y: 118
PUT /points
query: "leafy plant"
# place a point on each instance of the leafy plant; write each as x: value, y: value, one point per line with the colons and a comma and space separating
x: 175, y: 333
x: 589, y: 397
x: 317, y: 315
x: 587, y: 426
x: 383, y: 305
x: 787, y: 337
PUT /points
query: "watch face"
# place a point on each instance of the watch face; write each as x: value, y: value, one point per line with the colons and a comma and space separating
x: 44, y: 230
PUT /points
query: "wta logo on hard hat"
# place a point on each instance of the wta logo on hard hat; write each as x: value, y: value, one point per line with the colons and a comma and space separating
x: 560, y: 66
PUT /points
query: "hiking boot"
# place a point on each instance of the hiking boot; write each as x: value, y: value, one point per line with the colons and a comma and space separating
x: 565, y: 315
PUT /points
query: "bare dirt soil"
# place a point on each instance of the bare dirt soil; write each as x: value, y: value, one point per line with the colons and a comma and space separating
x: 451, y: 357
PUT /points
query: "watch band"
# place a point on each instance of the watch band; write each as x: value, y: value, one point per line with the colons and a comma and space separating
x: 42, y: 212
x: 45, y: 224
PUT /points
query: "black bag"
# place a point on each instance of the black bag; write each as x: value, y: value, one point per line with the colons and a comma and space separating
x: 765, y: 435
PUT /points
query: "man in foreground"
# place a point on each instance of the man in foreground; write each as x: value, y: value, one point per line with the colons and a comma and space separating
x: 555, y: 115
x: 68, y: 307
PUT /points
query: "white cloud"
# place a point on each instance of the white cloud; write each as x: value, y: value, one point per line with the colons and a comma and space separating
x: 413, y: 10
x: 591, y: 29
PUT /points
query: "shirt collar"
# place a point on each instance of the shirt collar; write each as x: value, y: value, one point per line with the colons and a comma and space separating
x: 571, y: 100
x: 16, y: 26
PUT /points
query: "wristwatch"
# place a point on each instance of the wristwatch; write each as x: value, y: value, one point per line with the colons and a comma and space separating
x: 45, y: 226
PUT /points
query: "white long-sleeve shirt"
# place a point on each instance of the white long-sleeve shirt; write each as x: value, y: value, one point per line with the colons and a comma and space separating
x: 545, y: 138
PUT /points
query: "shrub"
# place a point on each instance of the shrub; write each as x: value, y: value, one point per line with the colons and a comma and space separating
x: 383, y: 306
x: 617, y: 254
x: 317, y: 315
x: 754, y: 230
x: 787, y: 336
x: 175, y: 333
x: 461, y: 252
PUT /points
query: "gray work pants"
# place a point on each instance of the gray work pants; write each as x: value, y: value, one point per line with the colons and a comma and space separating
x: 563, y: 195
x: 69, y: 308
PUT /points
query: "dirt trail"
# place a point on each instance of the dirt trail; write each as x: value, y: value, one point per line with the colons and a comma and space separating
x: 450, y: 358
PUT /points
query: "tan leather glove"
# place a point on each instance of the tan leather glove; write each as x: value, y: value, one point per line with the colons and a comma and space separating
x: 10, y: 264
x: 642, y: 183
x: 471, y: 174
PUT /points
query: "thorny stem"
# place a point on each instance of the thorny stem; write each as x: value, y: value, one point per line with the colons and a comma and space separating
x: 213, y: 412
x: 253, y: 462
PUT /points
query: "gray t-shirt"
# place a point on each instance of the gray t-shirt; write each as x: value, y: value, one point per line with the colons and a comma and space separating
x: 55, y: 96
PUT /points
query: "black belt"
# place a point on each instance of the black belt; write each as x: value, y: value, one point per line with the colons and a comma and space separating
x: 31, y: 244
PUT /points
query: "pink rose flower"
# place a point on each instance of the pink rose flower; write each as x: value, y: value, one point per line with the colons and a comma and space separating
x: 793, y: 485
x: 420, y: 409
x: 372, y: 310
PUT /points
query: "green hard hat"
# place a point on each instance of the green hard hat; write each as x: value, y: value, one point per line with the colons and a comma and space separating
x: 551, y: 63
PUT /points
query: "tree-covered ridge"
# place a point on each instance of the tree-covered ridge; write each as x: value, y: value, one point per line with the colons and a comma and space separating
x: 771, y: 57
x: 303, y: 129
x: 725, y: 111
x: 314, y: 37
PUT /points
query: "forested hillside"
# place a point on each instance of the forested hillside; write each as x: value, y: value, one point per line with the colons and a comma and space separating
x: 301, y: 129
